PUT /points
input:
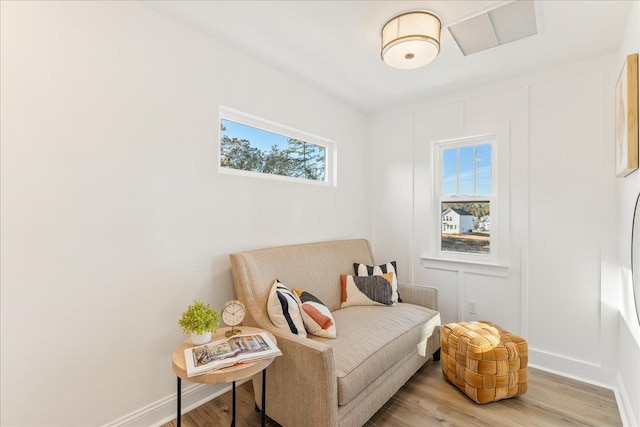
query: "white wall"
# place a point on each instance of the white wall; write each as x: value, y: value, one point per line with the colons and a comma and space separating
x: 620, y: 286
x: 114, y: 217
x: 560, y: 234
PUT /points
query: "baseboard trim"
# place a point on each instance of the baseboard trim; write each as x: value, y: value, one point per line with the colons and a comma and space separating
x: 580, y: 370
x: 164, y: 410
x: 573, y: 377
x: 569, y: 368
x: 624, y: 404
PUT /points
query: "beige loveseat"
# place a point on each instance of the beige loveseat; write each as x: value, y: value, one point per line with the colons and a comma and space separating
x: 343, y: 381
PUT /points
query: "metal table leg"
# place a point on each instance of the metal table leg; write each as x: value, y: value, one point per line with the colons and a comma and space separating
x: 264, y: 393
x: 179, y: 393
x: 233, y: 419
x: 233, y: 394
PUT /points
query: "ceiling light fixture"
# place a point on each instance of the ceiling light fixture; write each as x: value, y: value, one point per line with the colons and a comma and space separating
x: 411, y: 40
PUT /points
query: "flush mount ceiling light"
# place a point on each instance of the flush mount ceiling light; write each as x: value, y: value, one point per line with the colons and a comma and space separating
x: 411, y: 40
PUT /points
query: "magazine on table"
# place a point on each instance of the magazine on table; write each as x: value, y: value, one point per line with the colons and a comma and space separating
x: 228, y: 352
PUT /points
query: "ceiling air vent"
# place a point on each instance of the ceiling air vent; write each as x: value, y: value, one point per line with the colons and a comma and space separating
x: 504, y: 24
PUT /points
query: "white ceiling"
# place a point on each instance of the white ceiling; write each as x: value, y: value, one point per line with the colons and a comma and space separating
x: 335, y: 45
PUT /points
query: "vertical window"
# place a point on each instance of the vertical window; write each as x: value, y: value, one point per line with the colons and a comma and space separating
x: 465, y: 194
x: 262, y: 148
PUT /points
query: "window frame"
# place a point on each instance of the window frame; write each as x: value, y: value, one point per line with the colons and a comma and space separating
x: 438, y: 148
x: 246, y: 119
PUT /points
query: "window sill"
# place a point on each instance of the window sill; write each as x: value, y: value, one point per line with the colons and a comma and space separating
x: 485, y: 269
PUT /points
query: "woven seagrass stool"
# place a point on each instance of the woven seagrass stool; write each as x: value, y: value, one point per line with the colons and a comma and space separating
x: 484, y: 361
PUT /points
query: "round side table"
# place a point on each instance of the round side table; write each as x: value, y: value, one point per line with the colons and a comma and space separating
x: 229, y: 374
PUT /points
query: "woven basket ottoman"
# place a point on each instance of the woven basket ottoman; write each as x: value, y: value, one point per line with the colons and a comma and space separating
x: 484, y: 361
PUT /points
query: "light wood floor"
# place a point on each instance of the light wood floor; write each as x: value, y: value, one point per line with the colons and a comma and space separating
x: 427, y: 399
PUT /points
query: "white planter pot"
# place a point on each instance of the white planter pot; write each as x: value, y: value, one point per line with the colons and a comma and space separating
x: 198, y: 339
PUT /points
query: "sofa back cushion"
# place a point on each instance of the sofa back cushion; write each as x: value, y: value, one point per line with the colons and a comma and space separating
x: 314, y: 267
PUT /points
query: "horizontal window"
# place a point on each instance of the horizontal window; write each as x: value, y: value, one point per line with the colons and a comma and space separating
x: 257, y: 146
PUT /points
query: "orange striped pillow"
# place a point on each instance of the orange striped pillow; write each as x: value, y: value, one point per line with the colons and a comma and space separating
x: 316, y: 316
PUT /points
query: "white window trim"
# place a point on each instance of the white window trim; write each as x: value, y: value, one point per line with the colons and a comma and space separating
x: 438, y: 149
x: 331, y: 160
x: 497, y: 261
x: 481, y: 268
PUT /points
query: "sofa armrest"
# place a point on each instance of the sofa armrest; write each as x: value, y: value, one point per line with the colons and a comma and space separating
x: 304, y: 379
x: 419, y: 295
x: 424, y: 296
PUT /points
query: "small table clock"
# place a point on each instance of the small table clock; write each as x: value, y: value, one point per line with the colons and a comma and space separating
x: 233, y: 314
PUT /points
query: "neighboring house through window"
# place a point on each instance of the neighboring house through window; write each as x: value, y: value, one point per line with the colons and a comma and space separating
x: 465, y: 192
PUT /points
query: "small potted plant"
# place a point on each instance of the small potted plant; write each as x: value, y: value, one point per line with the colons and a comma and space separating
x: 199, y: 320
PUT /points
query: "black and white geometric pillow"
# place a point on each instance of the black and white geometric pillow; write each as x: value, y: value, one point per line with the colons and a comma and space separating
x: 377, y: 270
x: 284, y: 310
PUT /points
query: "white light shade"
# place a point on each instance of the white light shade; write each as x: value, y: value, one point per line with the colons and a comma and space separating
x: 411, y: 40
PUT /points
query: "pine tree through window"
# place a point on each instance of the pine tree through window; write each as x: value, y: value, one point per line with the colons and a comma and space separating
x: 248, y: 148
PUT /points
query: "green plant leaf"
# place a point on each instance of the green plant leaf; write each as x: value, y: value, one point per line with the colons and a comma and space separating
x: 199, y: 318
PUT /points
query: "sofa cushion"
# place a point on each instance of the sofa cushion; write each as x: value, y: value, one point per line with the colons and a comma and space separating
x: 317, y: 318
x: 371, y: 339
x: 377, y: 270
x: 368, y: 290
x: 284, y: 310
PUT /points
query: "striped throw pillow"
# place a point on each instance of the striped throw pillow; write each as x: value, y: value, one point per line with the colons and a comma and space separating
x: 284, y: 310
x: 366, y: 290
x: 316, y: 316
x: 390, y: 267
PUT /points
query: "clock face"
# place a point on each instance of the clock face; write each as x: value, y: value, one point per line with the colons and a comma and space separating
x: 233, y: 313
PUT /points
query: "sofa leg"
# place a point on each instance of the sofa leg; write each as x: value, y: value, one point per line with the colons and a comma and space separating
x: 436, y: 355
